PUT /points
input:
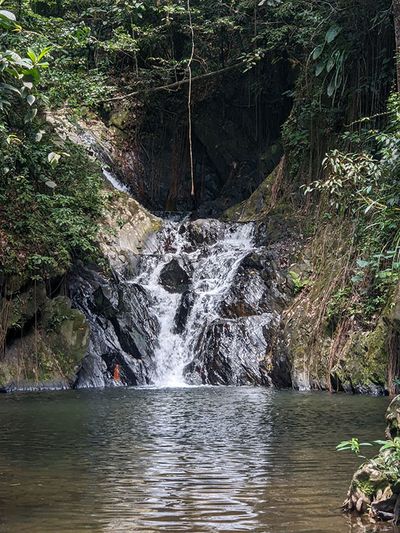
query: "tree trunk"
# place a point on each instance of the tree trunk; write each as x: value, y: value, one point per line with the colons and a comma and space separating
x: 396, y: 17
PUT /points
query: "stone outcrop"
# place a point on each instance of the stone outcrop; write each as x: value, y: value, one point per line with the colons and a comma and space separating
x: 121, y: 329
x: 375, y: 487
x: 175, y: 277
x: 232, y: 340
x: 45, y: 340
x: 50, y: 345
x: 236, y: 347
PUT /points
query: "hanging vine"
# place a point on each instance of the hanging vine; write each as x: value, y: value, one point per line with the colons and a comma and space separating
x: 189, y: 101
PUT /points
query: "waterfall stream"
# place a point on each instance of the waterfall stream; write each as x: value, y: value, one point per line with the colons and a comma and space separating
x: 195, y: 276
x: 200, y: 304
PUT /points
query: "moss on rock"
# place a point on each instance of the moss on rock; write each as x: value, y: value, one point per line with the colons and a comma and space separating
x: 375, y: 487
x: 126, y: 227
x: 48, y: 353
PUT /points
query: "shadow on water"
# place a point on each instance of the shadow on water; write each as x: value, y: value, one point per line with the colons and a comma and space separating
x: 194, y: 459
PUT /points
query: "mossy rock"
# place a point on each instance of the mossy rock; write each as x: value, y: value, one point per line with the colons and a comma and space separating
x: 120, y: 119
x: 257, y: 205
x: 23, y: 306
x: 363, y: 367
x: 374, y: 487
x: 66, y: 331
x: 48, y: 355
x: 125, y: 230
x: 393, y: 418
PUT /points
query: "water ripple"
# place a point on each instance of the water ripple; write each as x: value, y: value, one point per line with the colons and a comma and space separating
x: 197, y: 459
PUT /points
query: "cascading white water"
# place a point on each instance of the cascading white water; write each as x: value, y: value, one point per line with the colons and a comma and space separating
x: 90, y: 142
x: 192, y: 306
x: 212, y: 267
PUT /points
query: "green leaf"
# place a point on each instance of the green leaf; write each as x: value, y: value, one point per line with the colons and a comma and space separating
x: 331, y: 87
x: 317, y: 51
x: 319, y: 68
x: 332, y: 33
x: 44, y: 52
x: 30, y: 99
x: 330, y: 64
x: 362, y: 263
x: 39, y: 136
x: 32, y: 56
x: 53, y: 158
x: 7, y: 15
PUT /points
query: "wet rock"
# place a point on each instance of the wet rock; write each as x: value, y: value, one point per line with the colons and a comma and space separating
x: 121, y: 329
x: 203, y: 231
x: 174, y: 276
x: 257, y: 288
x: 233, y: 352
x: 184, y: 309
x: 374, y: 486
x: 393, y: 418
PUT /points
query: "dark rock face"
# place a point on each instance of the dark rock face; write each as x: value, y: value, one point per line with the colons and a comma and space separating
x: 232, y: 352
x: 122, y: 331
x: 257, y: 288
x: 174, y: 277
x: 202, y: 231
x: 183, y: 311
x: 202, y: 295
x: 236, y: 131
x: 236, y: 348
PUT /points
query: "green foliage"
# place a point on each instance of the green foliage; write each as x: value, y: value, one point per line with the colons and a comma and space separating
x: 299, y: 283
x: 354, y: 445
x: 388, y: 460
x: 57, y: 207
x: 50, y: 194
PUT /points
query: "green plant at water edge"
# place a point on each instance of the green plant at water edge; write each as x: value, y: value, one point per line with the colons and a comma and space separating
x: 388, y: 460
x: 354, y: 445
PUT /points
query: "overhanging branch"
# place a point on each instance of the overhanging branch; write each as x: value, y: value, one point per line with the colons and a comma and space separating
x: 174, y: 85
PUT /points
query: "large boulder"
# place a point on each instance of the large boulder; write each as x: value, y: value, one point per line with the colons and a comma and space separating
x: 121, y: 329
x: 174, y: 276
x: 127, y: 227
x: 47, y: 353
x: 393, y: 418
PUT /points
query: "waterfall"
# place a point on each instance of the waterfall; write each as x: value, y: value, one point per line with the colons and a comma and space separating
x: 186, y: 274
x: 102, y: 153
x: 200, y: 304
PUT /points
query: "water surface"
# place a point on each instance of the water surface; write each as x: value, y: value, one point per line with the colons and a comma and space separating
x: 204, y: 459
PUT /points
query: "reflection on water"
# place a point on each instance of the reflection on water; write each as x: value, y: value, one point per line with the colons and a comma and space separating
x: 194, y: 459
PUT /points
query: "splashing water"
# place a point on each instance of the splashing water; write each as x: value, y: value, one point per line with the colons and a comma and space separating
x: 210, y: 265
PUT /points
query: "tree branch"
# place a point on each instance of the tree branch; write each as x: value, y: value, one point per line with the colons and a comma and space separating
x: 174, y: 85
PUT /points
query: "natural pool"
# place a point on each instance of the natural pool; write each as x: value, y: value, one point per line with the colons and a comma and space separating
x: 190, y: 459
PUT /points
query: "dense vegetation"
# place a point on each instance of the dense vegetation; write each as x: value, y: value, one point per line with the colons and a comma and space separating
x: 341, y: 140
x: 49, y: 193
